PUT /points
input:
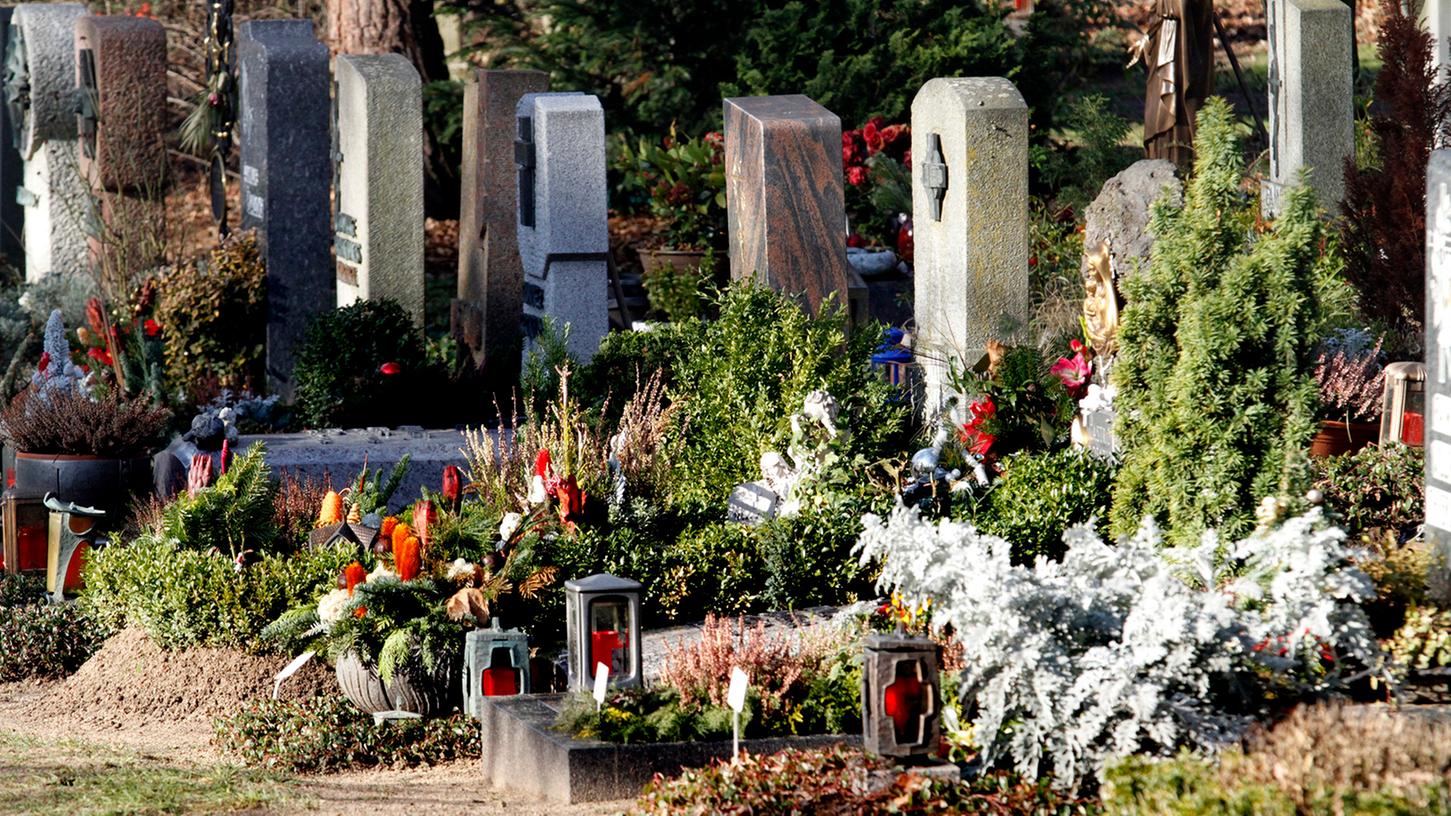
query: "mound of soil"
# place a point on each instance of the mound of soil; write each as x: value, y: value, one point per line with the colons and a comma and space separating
x: 133, y: 683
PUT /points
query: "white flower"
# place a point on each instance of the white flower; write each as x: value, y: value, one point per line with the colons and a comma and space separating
x: 537, y: 493
x: 330, y: 607
x: 381, y: 572
x: 26, y: 301
x: 511, y: 521
x: 460, y: 569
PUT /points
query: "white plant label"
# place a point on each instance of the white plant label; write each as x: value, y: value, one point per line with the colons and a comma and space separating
x: 289, y: 670
x: 736, y: 696
x: 602, y: 681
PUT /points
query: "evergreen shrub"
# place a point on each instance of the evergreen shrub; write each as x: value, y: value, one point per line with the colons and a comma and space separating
x: 1041, y: 495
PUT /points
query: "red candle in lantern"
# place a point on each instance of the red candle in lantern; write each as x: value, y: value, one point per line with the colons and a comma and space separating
x: 31, y: 546
x: 602, y: 649
x: 1413, y: 425
x: 903, y: 702
x: 500, y: 682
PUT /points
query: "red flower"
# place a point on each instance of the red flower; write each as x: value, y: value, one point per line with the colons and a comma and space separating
x: 972, y: 435
x: 44, y: 361
x: 907, y: 159
x: 1074, y: 371
x: 360, y: 611
x: 855, y: 240
x: 856, y: 176
x: 151, y: 327
x: 452, y: 486
x: 100, y: 355
x: 354, y: 574
x: 389, y: 369
x: 571, y: 501
x: 872, y: 135
x: 541, y: 464
x: 853, y: 152
x: 891, y: 134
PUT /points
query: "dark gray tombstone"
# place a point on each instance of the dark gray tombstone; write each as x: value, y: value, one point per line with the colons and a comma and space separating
x: 286, y: 173
x: 12, y: 215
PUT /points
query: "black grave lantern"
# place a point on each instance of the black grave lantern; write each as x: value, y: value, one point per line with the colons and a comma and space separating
x: 900, y: 712
x: 603, y: 626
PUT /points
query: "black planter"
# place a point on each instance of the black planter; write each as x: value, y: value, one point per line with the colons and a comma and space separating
x: 89, y: 481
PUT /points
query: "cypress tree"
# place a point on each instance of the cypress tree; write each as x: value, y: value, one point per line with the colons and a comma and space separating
x: 1216, y: 395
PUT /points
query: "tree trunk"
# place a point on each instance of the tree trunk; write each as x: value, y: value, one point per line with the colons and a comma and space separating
x: 402, y: 27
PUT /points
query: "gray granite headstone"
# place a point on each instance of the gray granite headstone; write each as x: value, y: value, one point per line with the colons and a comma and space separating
x: 1312, y: 103
x: 486, y: 313
x: 970, y: 223
x: 563, y: 217
x: 12, y: 215
x: 378, y: 225
x: 1438, y: 367
x: 41, y: 77
x: 286, y: 176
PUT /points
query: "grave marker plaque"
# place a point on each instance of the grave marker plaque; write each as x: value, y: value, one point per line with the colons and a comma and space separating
x: 970, y: 183
x: 563, y: 234
x: 378, y: 224
x: 1438, y: 368
x: 1312, y: 104
x: 40, y: 81
x: 490, y: 274
x: 286, y: 175
x: 784, y: 199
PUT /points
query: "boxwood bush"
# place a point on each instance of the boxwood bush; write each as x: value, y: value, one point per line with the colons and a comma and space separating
x: 39, y: 639
x: 1039, y: 496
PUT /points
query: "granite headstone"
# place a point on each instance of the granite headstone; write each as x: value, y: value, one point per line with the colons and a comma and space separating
x: 378, y: 225
x: 486, y: 312
x: 40, y: 80
x: 563, y: 217
x: 1438, y: 368
x: 970, y: 223
x: 784, y: 201
x: 286, y: 178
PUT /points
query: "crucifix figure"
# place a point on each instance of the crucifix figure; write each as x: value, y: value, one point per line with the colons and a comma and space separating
x: 1179, y: 53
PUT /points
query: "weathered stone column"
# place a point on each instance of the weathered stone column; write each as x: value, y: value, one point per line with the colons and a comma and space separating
x: 970, y: 223
x: 1312, y: 103
x: 485, y: 316
x: 1438, y: 369
x: 784, y: 199
x: 379, y: 220
x: 40, y: 85
x: 563, y: 224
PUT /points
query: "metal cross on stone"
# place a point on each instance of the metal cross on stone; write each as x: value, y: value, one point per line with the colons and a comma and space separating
x: 934, y: 176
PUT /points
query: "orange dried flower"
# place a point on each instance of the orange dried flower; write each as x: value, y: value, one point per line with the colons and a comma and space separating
x: 332, y: 509
x: 386, y: 531
x: 353, y: 575
x: 401, y: 532
x: 406, y: 558
x: 360, y: 611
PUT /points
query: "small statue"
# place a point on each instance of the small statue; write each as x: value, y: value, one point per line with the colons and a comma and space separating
x: 1179, y: 51
x: 1100, y: 301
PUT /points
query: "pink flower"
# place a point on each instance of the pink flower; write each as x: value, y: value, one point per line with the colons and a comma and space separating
x: 856, y: 176
x: 1074, y: 371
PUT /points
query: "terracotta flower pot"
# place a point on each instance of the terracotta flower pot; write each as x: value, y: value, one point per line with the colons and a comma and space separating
x: 1336, y: 438
x: 412, y: 691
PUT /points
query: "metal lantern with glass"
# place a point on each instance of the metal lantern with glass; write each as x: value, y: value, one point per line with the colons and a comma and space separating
x: 603, y: 627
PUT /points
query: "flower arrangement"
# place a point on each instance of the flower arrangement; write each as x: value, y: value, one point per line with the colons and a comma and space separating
x: 876, y: 161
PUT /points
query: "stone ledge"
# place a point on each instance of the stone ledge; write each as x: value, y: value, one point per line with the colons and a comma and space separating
x: 524, y: 754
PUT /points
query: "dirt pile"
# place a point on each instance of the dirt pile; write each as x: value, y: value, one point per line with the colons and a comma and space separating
x: 132, y: 683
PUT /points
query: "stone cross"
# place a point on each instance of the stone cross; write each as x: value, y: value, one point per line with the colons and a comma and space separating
x: 486, y: 312
x: 378, y: 224
x: 121, y: 120
x: 40, y: 81
x: 1438, y: 367
x: 784, y: 199
x: 1312, y: 104
x: 12, y: 215
x: 286, y: 178
x: 970, y: 189
x: 563, y: 230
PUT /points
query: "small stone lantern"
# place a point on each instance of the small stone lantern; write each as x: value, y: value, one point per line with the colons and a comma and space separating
x: 496, y: 664
x: 1403, y: 410
x: 603, y: 626
x: 900, y: 711
x: 26, y: 523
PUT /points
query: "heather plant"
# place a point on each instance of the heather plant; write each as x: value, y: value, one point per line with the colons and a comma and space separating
x: 1215, y: 371
x: 71, y: 422
x: 1351, y: 377
x: 700, y: 671
x: 1125, y: 649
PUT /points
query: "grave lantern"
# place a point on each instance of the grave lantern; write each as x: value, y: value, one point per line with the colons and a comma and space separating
x: 603, y: 626
x: 1403, y: 410
x: 496, y: 663
x: 899, y: 696
x: 26, y: 523
x: 72, y: 531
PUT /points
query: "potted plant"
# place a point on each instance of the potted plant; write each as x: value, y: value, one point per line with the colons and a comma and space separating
x: 78, y: 439
x: 684, y: 180
x: 1350, y: 373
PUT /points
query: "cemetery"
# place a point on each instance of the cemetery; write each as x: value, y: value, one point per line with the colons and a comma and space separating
x: 725, y: 406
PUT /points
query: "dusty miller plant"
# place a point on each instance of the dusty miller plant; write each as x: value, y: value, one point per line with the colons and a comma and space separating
x: 1126, y: 649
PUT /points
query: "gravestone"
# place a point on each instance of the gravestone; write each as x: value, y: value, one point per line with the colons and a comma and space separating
x: 563, y: 230
x: 970, y: 223
x: 40, y: 81
x: 486, y: 312
x: 12, y: 215
x: 121, y: 119
x: 378, y: 224
x: 784, y: 201
x: 1438, y: 367
x: 1312, y: 112
x: 1436, y: 17
x: 286, y: 177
